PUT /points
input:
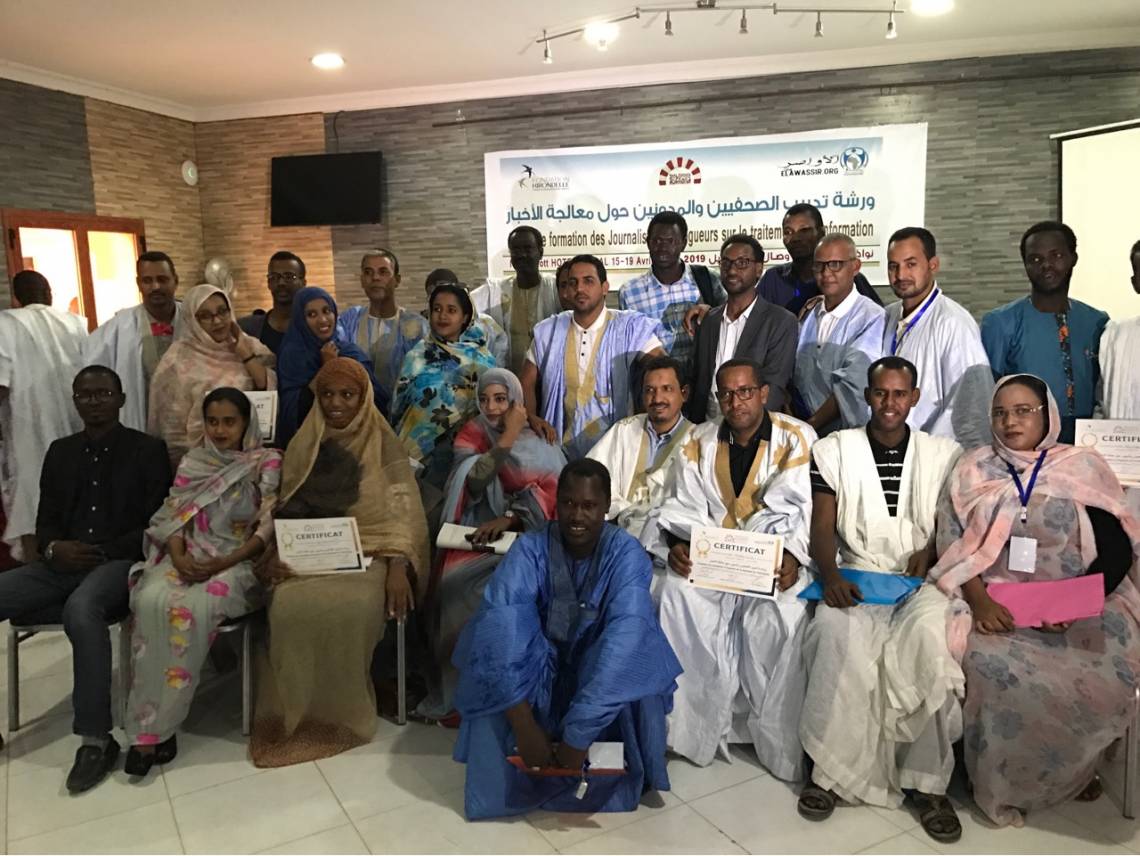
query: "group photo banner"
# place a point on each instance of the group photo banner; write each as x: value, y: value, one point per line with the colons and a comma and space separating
x: 866, y: 182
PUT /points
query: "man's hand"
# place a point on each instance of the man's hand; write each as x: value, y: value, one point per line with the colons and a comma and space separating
x: 569, y: 758
x: 694, y: 317
x: 919, y: 563
x: 75, y: 556
x: 991, y: 617
x: 789, y: 571
x: 534, y: 746
x: 542, y: 428
x: 839, y: 592
x: 398, y: 589
x: 490, y: 531
x: 679, y: 559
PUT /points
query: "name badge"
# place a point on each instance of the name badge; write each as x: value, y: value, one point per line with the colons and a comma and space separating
x: 1023, y: 555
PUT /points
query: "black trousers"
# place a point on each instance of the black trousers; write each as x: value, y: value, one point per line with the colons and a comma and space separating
x: 89, y: 600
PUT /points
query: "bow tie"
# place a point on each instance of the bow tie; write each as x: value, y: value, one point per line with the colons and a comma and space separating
x: 158, y: 328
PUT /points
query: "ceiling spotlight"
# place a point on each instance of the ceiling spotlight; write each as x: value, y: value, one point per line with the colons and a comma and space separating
x: 931, y: 7
x: 600, y: 34
x: 818, y: 25
x: 547, y: 58
x: 892, y: 31
x: 744, y: 22
x: 668, y: 25
x: 328, y: 61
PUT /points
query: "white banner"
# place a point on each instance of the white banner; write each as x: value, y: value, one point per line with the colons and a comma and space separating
x: 867, y: 182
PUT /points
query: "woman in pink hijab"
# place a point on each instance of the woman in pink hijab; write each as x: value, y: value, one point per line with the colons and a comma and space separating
x: 1042, y: 703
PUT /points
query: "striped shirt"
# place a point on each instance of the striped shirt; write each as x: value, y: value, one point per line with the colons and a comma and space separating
x: 888, y: 462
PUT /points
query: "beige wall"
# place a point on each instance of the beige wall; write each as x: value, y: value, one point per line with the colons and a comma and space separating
x: 233, y: 162
x: 136, y: 161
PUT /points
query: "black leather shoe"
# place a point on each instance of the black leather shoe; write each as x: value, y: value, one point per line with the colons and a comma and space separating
x: 92, y: 764
x: 138, y: 763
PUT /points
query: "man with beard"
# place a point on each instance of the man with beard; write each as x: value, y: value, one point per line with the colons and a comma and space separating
x: 285, y: 278
x: 671, y: 287
x: 518, y: 303
x: 941, y: 339
x: 382, y: 329
x: 134, y: 340
x: 793, y: 284
x: 747, y: 326
x: 1047, y: 334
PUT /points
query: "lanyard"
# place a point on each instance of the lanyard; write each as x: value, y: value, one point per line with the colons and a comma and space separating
x: 1025, y: 492
x: 910, y: 325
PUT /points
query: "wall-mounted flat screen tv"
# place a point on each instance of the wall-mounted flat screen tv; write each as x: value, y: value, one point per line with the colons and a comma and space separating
x: 326, y: 190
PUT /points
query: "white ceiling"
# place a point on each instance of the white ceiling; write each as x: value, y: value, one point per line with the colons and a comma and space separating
x: 220, y: 59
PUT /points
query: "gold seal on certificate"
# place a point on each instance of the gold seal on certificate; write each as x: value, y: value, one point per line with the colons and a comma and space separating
x: 265, y: 407
x: 735, y: 561
x: 329, y: 545
x: 1118, y: 441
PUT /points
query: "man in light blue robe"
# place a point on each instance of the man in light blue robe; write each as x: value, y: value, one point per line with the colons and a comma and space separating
x: 565, y: 652
x: 579, y: 374
x: 840, y: 336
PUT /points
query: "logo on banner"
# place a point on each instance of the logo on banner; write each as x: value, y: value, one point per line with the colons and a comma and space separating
x: 530, y: 181
x: 679, y: 170
x: 854, y: 159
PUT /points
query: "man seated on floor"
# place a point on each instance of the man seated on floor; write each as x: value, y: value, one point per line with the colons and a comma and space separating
x: 638, y: 449
x: 875, y: 492
x: 743, y: 680
x: 565, y: 653
x: 98, y: 490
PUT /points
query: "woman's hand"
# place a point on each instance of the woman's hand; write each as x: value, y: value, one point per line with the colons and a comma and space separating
x: 1046, y: 627
x: 242, y: 345
x: 398, y: 590
x: 199, y: 570
x: 490, y: 531
x: 272, y: 570
x: 991, y: 617
x: 514, y: 420
x: 329, y: 351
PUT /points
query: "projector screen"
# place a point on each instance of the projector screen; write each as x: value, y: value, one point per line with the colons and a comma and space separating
x: 1100, y: 200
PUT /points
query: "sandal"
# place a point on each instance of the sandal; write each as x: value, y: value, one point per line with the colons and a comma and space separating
x: 815, y: 803
x: 937, y: 816
x: 1092, y: 791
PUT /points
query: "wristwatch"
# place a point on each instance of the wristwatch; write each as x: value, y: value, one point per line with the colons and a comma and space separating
x: 510, y: 514
x: 49, y: 550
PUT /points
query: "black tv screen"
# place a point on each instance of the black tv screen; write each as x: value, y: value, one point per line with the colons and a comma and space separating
x: 326, y: 190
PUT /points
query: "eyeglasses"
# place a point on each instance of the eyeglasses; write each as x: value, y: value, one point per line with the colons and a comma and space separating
x: 835, y: 265
x: 94, y: 396
x: 289, y: 278
x: 744, y: 393
x: 739, y: 264
x: 1021, y: 411
x: 205, y: 318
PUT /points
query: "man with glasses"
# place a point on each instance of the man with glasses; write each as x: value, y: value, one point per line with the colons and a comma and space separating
x: 941, y: 339
x: 747, y: 326
x: 743, y: 679
x: 1047, y: 334
x: 40, y: 347
x: 134, y: 341
x: 518, y: 303
x: 671, y: 287
x: 98, y: 491
x: 285, y: 278
x: 793, y: 284
x: 383, y: 329
x: 840, y: 336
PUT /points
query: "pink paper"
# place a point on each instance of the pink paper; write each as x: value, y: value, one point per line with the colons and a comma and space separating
x: 1052, y: 601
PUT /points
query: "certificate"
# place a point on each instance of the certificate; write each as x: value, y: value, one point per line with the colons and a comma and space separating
x: 735, y: 561
x: 265, y: 408
x: 329, y: 545
x: 1118, y: 441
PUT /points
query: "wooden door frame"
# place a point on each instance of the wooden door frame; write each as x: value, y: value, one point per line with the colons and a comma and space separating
x: 13, y: 219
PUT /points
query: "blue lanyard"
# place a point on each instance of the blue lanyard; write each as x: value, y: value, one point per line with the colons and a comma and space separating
x: 1025, y: 492
x: 896, y: 340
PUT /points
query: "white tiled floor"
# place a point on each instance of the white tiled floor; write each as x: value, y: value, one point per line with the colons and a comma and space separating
x: 403, y: 794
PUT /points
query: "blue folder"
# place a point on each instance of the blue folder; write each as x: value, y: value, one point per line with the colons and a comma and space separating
x: 876, y: 588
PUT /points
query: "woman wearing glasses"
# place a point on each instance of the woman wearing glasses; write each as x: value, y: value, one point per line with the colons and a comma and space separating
x: 209, y: 351
x: 1042, y: 703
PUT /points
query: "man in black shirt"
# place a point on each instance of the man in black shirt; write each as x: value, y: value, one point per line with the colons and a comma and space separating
x: 98, y: 490
x: 285, y: 278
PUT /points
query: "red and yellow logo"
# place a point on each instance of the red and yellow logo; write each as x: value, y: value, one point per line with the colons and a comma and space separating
x: 679, y: 170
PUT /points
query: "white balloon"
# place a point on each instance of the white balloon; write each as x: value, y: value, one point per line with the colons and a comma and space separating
x: 219, y: 275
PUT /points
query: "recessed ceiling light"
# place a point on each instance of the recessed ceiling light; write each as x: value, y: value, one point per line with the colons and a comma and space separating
x: 601, y: 34
x: 931, y: 7
x: 328, y: 61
